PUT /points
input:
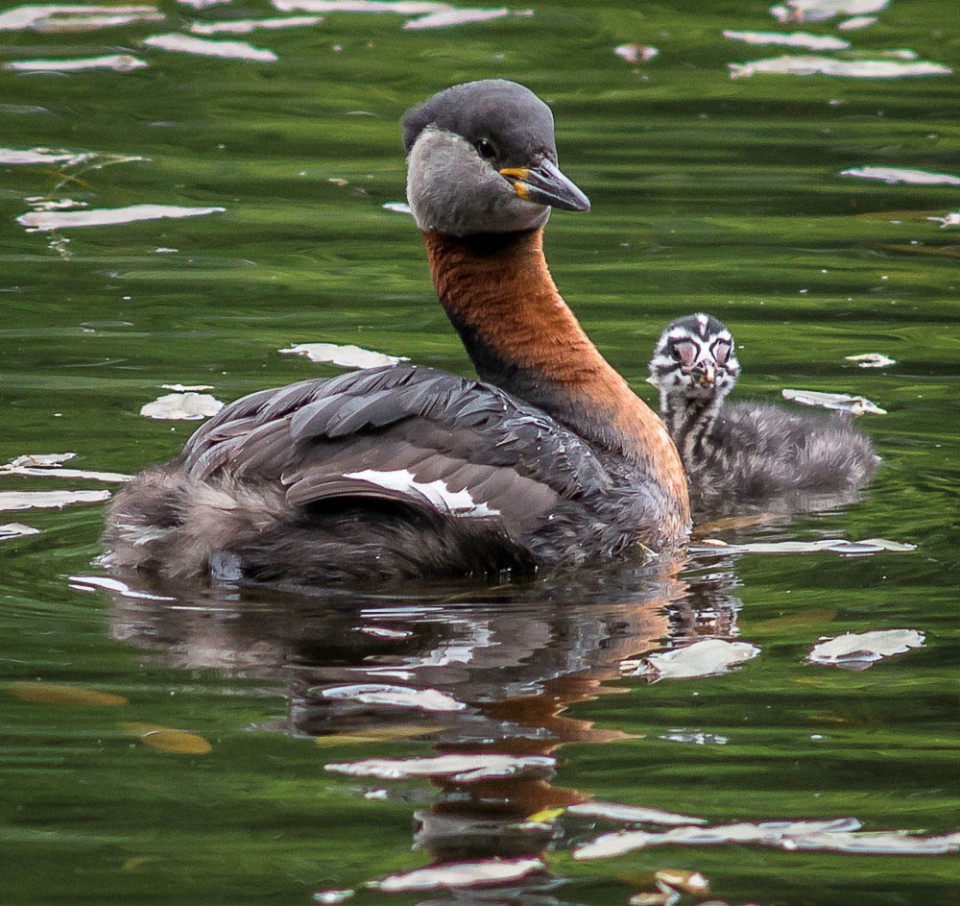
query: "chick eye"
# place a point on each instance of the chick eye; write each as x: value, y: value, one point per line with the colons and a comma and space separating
x: 485, y: 148
x: 685, y: 353
x: 721, y: 352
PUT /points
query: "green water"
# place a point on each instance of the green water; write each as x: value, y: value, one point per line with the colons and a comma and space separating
x: 708, y: 194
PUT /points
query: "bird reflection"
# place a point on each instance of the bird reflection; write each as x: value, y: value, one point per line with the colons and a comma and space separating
x: 468, y: 669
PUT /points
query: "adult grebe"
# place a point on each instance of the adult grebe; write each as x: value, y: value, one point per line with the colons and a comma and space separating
x: 742, y: 451
x: 409, y: 471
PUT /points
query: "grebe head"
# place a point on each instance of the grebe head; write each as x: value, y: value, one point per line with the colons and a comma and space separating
x: 482, y: 158
x: 694, y: 360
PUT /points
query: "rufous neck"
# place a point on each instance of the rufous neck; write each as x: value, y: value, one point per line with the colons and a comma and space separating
x: 521, y: 336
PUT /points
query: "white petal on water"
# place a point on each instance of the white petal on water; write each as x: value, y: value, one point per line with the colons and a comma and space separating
x: 633, y: 814
x: 379, y: 632
x: 41, y: 156
x: 697, y: 739
x: 246, y: 26
x: 792, y: 39
x: 16, y: 530
x: 446, y: 18
x: 332, y: 896
x: 358, y: 6
x: 806, y: 65
x: 122, y: 62
x: 878, y: 843
x: 767, y: 833
x: 398, y: 207
x: 38, y: 460
x: 91, y: 583
x: 48, y: 500
x: 636, y: 53
x: 460, y: 875
x: 204, y: 4
x: 38, y: 221
x: 711, y: 657
x: 182, y: 407
x: 948, y: 220
x: 842, y: 402
x: 398, y: 696
x: 858, y: 650
x: 187, y: 388
x: 892, y: 175
x: 857, y: 22
x: 821, y: 10
x: 48, y: 465
x: 871, y: 360
x: 827, y: 545
x: 463, y: 768
x: 347, y: 356
x: 224, y: 50
x: 49, y: 17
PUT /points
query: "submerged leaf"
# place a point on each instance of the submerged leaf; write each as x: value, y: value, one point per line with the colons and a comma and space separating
x: 859, y: 650
x: 168, y: 739
x: 460, y: 875
x: 72, y: 696
x: 711, y: 657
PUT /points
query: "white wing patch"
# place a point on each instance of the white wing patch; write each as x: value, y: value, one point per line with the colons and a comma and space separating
x: 459, y: 503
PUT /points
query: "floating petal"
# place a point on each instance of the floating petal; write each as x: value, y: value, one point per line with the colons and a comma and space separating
x: 633, y: 814
x: 871, y: 360
x: 246, y: 26
x: 711, y: 657
x: 892, y: 175
x: 38, y: 221
x: 348, y: 356
x: 792, y: 39
x: 74, y: 17
x: 224, y: 50
x: 182, y: 407
x: 122, y: 62
x: 10, y: 530
x: 820, y: 10
x: 829, y: 66
x: 842, y: 402
x: 859, y: 650
x: 460, y: 875
x: 464, y: 768
x: 397, y: 696
x: 48, y: 500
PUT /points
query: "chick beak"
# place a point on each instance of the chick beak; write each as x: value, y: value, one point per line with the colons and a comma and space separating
x: 545, y: 184
x: 707, y: 375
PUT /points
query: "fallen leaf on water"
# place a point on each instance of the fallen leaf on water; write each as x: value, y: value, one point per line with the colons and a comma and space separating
x: 347, y: 356
x: 46, y: 500
x: 892, y: 175
x: 39, y: 221
x: 544, y: 816
x: 821, y: 10
x: 636, y: 53
x: 461, y: 768
x: 829, y: 66
x: 397, y: 696
x: 16, y: 530
x: 246, y: 26
x: 201, y: 47
x: 711, y: 657
x: 793, y: 39
x: 73, y: 696
x: 460, y: 875
x: 182, y: 407
x: 871, y: 360
x: 833, y: 546
x: 89, y: 583
x: 123, y: 62
x: 859, y: 650
x: 948, y: 220
x: 446, y: 18
x: 74, y: 17
x: 842, y: 402
x: 168, y: 739
x: 633, y: 814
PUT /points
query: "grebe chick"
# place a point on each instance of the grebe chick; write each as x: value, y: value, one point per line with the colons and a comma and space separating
x: 746, y: 451
x: 405, y: 471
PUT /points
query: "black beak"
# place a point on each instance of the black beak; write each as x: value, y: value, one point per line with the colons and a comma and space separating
x: 545, y: 184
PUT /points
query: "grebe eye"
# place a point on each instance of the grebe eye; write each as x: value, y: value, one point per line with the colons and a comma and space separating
x: 485, y: 148
x: 721, y: 352
x: 685, y: 353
